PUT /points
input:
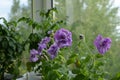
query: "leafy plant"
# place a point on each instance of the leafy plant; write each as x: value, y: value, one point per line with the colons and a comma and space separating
x: 60, y: 62
x: 52, y: 53
x: 11, y: 48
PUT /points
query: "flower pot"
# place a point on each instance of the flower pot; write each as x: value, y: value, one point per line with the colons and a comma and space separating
x: 30, y: 76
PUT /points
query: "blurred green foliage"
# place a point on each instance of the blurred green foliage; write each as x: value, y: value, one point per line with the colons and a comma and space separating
x: 90, y: 18
x: 11, y: 48
x: 17, y: 11
x: 87, y: 17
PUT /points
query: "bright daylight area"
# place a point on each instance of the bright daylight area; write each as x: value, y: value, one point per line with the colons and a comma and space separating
x: 59, y: 39
x: 6, y: 6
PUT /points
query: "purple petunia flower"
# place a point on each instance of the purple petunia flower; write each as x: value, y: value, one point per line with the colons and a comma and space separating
x: 33, y: 55
x: 41, y: 47
x: 45, y: 40
x: 63, y: 38
x: 53, y: 50
x: 42, y: 44
x: 102, y: 44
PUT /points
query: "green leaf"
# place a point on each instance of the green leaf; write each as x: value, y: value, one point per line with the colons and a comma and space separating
x: 10, y: 51
x: 77, y: 63
x: 12, y: 23
x: 118, y: 75
x: 73, y: 55
x: 56, y: 76
x: 57, y: 66
x: 87, y: 59
x: 4, y: 21
x: 22, y: 19
x: 98, y: 56
x: 30, y: 65
x: 70, y: 61
x: 5, y: 44
x: 101, y: 78
x: 80, y: 77
x: 76, y: 71
x: 99, y: 63
x: 12, y: 45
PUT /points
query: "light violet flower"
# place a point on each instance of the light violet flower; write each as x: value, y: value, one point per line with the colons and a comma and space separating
x: 63, y: 38
x: 41, y: 47
x: 102, y: 44
x: 42, y: 44
x: 45, y: 40
x: 53, y: 50
x: 33, y: 55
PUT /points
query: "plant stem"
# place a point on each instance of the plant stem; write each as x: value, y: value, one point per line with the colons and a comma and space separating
x: 2, y: 75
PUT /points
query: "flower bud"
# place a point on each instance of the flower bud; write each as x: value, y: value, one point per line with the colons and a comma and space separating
x: 81, y: 36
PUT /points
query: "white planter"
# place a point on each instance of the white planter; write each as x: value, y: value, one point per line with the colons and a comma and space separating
x: 30, y: 76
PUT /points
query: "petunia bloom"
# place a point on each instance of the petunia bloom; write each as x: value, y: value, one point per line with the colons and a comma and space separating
x: 33, y: 55
x: 102, y: 44
x: 53, y: 50
x: 42, y: 44
x: 63, y: 38
x: 41, y: 47
x: 45, y: 40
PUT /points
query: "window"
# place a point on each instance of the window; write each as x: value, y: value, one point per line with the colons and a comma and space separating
x: 39, y: 5
x: 90, y: 18
x: 10, y: 8
x: 86, y: 18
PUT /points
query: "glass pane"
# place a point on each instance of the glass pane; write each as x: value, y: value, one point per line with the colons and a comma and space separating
x: 90, y: 18
x: 12, y: 10
x: 16, y: 8
x: 5, y: 8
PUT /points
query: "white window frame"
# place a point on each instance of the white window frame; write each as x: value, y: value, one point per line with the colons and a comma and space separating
x: 39, y: 5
